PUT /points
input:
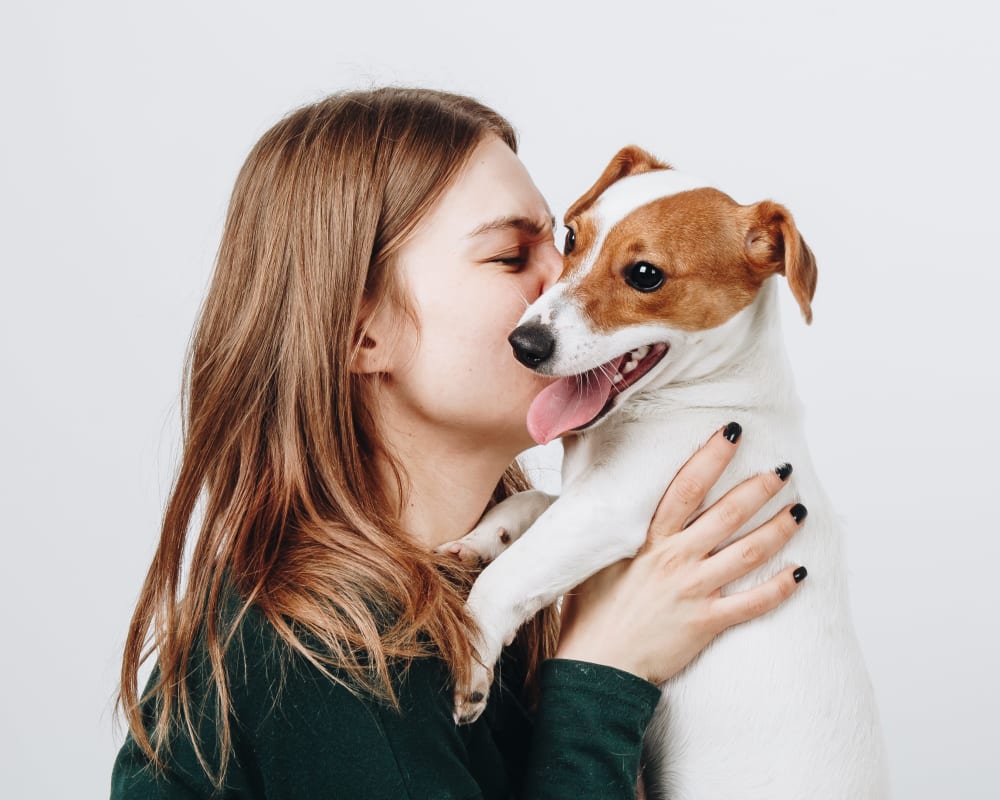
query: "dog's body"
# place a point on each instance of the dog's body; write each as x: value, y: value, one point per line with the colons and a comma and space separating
x: 780, y: 707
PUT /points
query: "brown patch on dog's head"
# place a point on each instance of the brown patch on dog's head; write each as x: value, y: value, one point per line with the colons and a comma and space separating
x: 696, y: 239
x: 715, y: 255
x: 631, y: 160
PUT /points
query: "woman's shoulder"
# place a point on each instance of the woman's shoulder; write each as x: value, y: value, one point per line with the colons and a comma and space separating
x: 293, y: 686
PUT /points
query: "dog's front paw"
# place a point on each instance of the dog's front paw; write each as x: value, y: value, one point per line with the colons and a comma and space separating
x: 479, y: 547
x: 499, y: 527
x: 470, y: 699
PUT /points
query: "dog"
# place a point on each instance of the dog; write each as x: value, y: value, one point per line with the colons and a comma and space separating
x: 664, y: 326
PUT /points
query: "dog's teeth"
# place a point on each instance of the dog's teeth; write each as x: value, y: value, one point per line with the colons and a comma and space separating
x: 618, y: 378
x: 629, y: 366
x: 641, y: 352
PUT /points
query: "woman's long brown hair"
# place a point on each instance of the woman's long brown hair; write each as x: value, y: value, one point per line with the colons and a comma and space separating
x: 280, y: 437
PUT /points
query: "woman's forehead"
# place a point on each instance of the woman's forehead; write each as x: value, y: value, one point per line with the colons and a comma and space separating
x: 493, y: 192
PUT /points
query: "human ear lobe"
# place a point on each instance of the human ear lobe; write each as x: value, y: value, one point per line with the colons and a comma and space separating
x: 372, y: 351
x: 365, y: 359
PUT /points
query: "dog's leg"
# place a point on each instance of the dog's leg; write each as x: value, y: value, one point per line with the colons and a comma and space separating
x: 499, y: 527
x: 579, y: 534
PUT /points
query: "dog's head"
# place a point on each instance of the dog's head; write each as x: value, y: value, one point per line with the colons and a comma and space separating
x: 658, y: 268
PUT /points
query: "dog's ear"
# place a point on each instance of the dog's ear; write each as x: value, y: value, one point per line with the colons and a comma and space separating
x: 774, y: 245
x: 630, y: 160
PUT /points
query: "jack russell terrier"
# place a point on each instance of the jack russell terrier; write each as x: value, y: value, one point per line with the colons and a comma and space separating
x: 663, y: 327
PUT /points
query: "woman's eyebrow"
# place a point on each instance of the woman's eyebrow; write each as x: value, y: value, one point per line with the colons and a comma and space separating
x: 525, y: 224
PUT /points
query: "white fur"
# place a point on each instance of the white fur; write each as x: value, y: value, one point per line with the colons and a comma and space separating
x: 775, y: 709
x: 626, y: 195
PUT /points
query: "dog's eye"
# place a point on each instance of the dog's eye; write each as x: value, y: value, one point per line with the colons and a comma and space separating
x: 570, y: 242
x: 644, y: 277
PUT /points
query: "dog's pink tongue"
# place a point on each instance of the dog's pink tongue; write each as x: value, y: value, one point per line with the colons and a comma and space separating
x: 569, y: 403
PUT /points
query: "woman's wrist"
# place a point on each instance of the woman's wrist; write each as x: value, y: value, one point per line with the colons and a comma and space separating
x: 604, y: 658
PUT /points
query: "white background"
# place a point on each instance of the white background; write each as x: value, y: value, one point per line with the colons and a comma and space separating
x: 124, y: 126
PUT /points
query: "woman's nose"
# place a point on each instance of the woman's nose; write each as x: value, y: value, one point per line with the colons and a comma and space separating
x: 552, y: 267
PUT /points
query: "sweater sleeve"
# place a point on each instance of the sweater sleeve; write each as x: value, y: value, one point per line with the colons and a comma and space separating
x: 588, y: 731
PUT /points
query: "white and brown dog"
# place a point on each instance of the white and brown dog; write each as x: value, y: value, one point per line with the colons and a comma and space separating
x: 664, y: 326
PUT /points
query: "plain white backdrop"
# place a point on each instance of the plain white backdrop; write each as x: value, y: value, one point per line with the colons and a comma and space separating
x: 876, y: 123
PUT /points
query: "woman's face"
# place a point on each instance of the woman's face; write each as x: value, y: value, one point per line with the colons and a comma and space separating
x: 480, y: 256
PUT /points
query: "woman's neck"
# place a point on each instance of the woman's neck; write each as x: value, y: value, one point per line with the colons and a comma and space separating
x: 450, y: 483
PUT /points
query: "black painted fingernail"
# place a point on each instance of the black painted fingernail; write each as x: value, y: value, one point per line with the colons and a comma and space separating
x: 783, y: 471
x: 799, y: 574
x: 476, y: 697
x: 733, y: 432
x: 798, y: 512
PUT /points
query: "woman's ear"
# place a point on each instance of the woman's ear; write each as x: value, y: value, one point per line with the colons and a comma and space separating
x: 373, y: 340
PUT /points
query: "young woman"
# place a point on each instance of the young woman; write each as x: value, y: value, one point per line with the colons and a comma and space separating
x: 351, y: 404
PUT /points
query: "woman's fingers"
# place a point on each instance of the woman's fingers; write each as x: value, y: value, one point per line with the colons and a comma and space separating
x: 749, y: 552
x: 734, y: 508
x: 690, y: 485
x: 743, y: 606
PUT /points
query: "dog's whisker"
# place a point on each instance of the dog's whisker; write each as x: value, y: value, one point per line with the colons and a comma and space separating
x: 582, y: 382
x: 611, y: 378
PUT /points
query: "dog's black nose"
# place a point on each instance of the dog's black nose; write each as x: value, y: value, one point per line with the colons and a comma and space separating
x: 533, y: 343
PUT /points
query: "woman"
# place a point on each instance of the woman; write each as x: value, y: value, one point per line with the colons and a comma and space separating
x: 352, y: 404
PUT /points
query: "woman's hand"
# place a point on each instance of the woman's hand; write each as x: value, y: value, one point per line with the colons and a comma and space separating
x: 652, y: 614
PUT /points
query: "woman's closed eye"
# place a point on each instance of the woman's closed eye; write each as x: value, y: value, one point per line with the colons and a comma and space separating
x: 516, y: 260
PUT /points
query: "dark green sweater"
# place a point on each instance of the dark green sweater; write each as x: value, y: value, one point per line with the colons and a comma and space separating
x: 296, y: 734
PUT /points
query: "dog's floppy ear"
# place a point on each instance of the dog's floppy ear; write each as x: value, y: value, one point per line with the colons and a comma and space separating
x: 630, y: 160
x: 774, y: 245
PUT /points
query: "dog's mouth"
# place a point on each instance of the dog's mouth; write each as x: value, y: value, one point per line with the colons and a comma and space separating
x: 576, y: 402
